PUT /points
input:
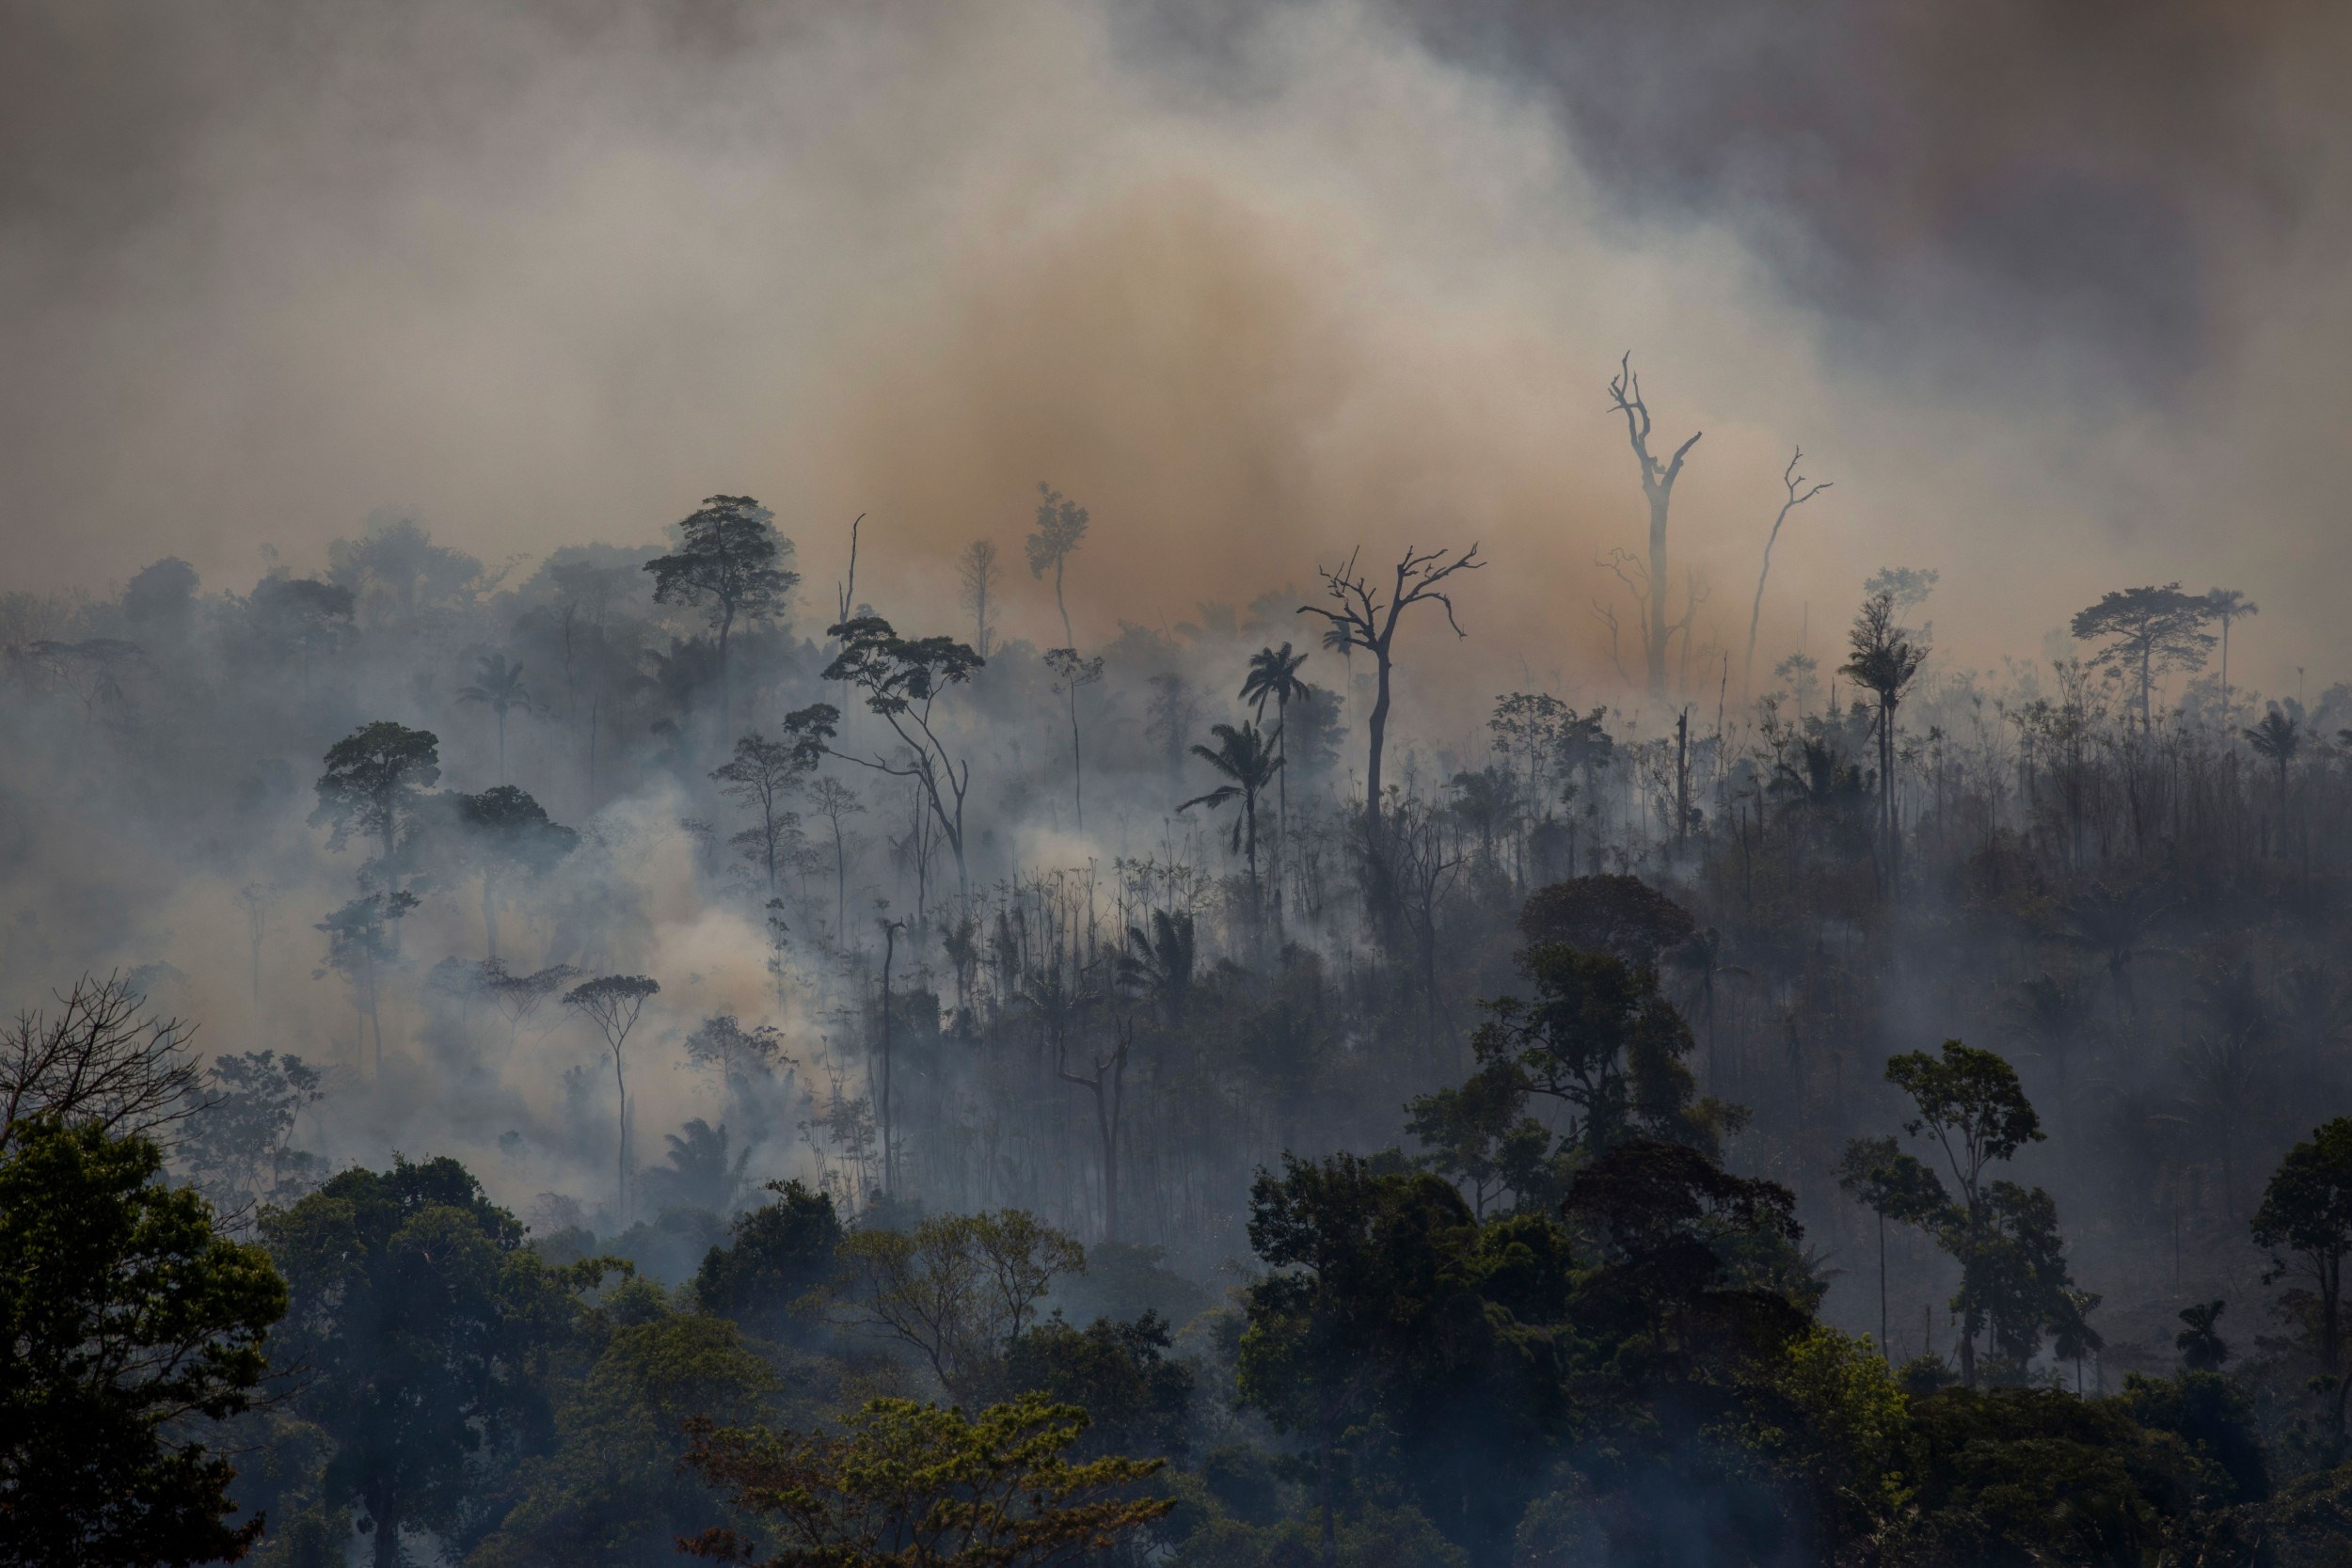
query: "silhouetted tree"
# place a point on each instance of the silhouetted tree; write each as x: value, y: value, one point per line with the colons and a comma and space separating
x: 612, y: 1003
x: 1369, y: 615
x: 1061, y: 524
x: 101, y: 1059
x: 373, y: 784
x: 2275, y: 739
x: 761, y: 778
x: 1070, y: 672
x: 1800, y: 492
x: 2146, y: 633
x: 978, y: 571
x: 497, y: 684
x: 507, y: 835
x: 1245, y: 759
x: 901, y: 679
x: 1274, y: 678
x: 2201, y: 1347
x: 730, y: 561
x: 1657, y: 488
x: 2228, y: 605
x: 2305, y: 1221
x: 1885, y: 661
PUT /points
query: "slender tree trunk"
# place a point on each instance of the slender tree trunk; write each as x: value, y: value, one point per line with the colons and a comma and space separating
x: 890, y: 952
x: 490, y: 915
x: 1376, y: 730
x: 1883, y: 1351
x: 620, y: 1158
x: 1069, y: 639
x: 502, y: 719
x: 1658, y: 636
x: 1323, y: 1485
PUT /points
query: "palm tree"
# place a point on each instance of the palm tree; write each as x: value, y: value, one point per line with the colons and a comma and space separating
x: 2047, y: 1013
x: 2201, y: 1347
x: 1245, y: 758
x: 498, y: 685
x: 2277, y: 737
x: 2228, y: 605
x: 1159, y: 962
x: 2112, y: 923
x: 1274, y: 678
x: 1884, y: 662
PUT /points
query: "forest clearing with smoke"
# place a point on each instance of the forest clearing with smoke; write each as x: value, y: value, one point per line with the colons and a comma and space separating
x: 843, y: 787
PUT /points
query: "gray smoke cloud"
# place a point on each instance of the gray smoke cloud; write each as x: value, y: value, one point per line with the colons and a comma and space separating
x: 2056, y: 299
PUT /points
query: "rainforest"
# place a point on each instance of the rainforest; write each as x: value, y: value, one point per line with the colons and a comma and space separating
x: 1368, y: 786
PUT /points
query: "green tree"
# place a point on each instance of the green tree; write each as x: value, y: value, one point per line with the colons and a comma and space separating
x: 1061, y: 524
x: 2305, y: 1221
x: 1600, y: 1037
x: 1970, y: 1104
x: 2147, y: 632
x: 908, y: 1485
x: 1894, y: 1186
x: 1389, y: 1327
x: 1135, y: 1394
x: 612, y: 1488
x: 731, y: 563
x: 426, y: 1327
x: 957, y: 1289
x: 131, y: 1328
x: 374, y: 782
x: 776, y: 1256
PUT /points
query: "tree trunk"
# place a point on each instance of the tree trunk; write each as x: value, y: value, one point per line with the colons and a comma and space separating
x: 620, y: 1158
x: 1323, y: 1487
x: 385, y: 1547
x: 1657, y: 650
x: 490, y: 915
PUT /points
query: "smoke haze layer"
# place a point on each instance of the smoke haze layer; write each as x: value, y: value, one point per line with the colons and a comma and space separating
x: 1255, y: 288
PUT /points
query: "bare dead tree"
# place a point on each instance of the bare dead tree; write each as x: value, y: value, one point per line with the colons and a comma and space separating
x: 1108, y: 1084
x: 1799, y: 493
x: 1369, y: 616
x: 1657, y: 485
x: 100, y: 1059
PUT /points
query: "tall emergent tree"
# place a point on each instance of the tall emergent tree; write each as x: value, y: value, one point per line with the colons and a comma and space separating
x: 612, y: 1003
x: 1071, y: 673
x: 2146, y: 633
x: 1657, y: 488
x: 761, y: 777
x: 1246, y: 760
x: 1883, y: 660
x: 977, y: 572
x: 130, y: 1328
x: 1274, y: 678
x: 374, y: 784
x: 730, y: 561
x: 901, y: 679
x: 1800, y: 492
x: 1369, y: 615
x: 2228, y: 605
x: 1061, y: 523
x: 497, y: 684
x: 508, y: 835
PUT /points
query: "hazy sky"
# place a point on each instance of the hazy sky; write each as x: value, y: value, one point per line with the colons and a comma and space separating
x: 2059, y: 304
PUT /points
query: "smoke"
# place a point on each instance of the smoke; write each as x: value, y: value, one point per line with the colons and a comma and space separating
x: 2051, y: 294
